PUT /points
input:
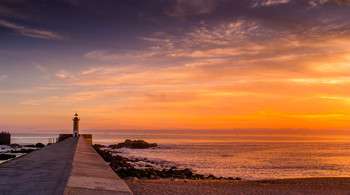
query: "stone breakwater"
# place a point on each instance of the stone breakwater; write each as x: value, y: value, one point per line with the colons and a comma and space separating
x: 68, y: 167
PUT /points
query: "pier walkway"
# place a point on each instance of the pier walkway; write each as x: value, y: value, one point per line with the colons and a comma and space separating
x: 68, y: 167
x: 91, y: 174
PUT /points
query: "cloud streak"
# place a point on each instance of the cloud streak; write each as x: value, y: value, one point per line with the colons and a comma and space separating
x: 32, y: 32
x: 30, y: 102
x: 269, y: 3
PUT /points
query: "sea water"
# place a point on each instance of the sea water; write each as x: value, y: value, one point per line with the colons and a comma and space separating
x: 248, y: 157
x: 251, y: 160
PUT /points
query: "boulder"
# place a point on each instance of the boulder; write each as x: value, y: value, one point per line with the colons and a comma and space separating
x: 135, y: 144
x: 39, y: 145
x: 98, y: 146
x: 6, y: 156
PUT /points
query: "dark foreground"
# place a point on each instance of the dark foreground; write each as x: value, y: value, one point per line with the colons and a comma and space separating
x: 281, y: 186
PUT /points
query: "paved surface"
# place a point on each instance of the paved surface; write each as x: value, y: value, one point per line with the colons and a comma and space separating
x: 45, y: 171
x: 68, y: 167
x: 91, y: 174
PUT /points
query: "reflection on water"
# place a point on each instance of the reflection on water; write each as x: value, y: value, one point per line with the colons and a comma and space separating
x: 249, y: 157
x: 194, y: 138
x: 256, y: 160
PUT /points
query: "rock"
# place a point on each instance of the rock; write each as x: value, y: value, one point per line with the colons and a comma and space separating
x: 16, y: 146
x: 39, y: 145
x: 23, y: 151
x: 128, y: 178
x: 135, y: 144
x: 6, y: 156
x: 198, y: 176
x: 106, y: 155
x: 120, y: 162
x: 98, y: 146
x: 211, y: 177
x: 154, y: 177
x: 131, y: 178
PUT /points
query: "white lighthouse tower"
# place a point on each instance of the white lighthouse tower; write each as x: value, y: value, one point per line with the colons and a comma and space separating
x: 76, y: 120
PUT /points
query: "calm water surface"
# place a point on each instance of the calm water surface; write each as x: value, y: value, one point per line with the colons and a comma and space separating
x: 249, y: 157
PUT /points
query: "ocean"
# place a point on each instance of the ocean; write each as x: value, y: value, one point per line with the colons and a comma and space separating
x: 248, y: 157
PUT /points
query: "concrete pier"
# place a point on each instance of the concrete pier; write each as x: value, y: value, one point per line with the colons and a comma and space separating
x: 91, y: 175
x: 68, y: 167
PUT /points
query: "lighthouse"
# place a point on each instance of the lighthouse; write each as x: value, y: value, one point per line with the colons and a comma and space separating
x: 76, y: 120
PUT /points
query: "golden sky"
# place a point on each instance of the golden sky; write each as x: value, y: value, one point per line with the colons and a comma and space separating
x: 188, y: 65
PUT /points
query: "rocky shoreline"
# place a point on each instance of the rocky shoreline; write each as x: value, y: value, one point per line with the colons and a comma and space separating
x: 126, y: 169
x: 9, y: 152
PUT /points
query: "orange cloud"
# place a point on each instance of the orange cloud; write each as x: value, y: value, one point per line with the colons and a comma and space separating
x: 211, y: 78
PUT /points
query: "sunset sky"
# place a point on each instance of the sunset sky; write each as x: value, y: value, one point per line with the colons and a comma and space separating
x: 175, y: 64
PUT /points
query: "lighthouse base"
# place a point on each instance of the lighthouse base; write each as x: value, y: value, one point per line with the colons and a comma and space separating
x: 88, y: 137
